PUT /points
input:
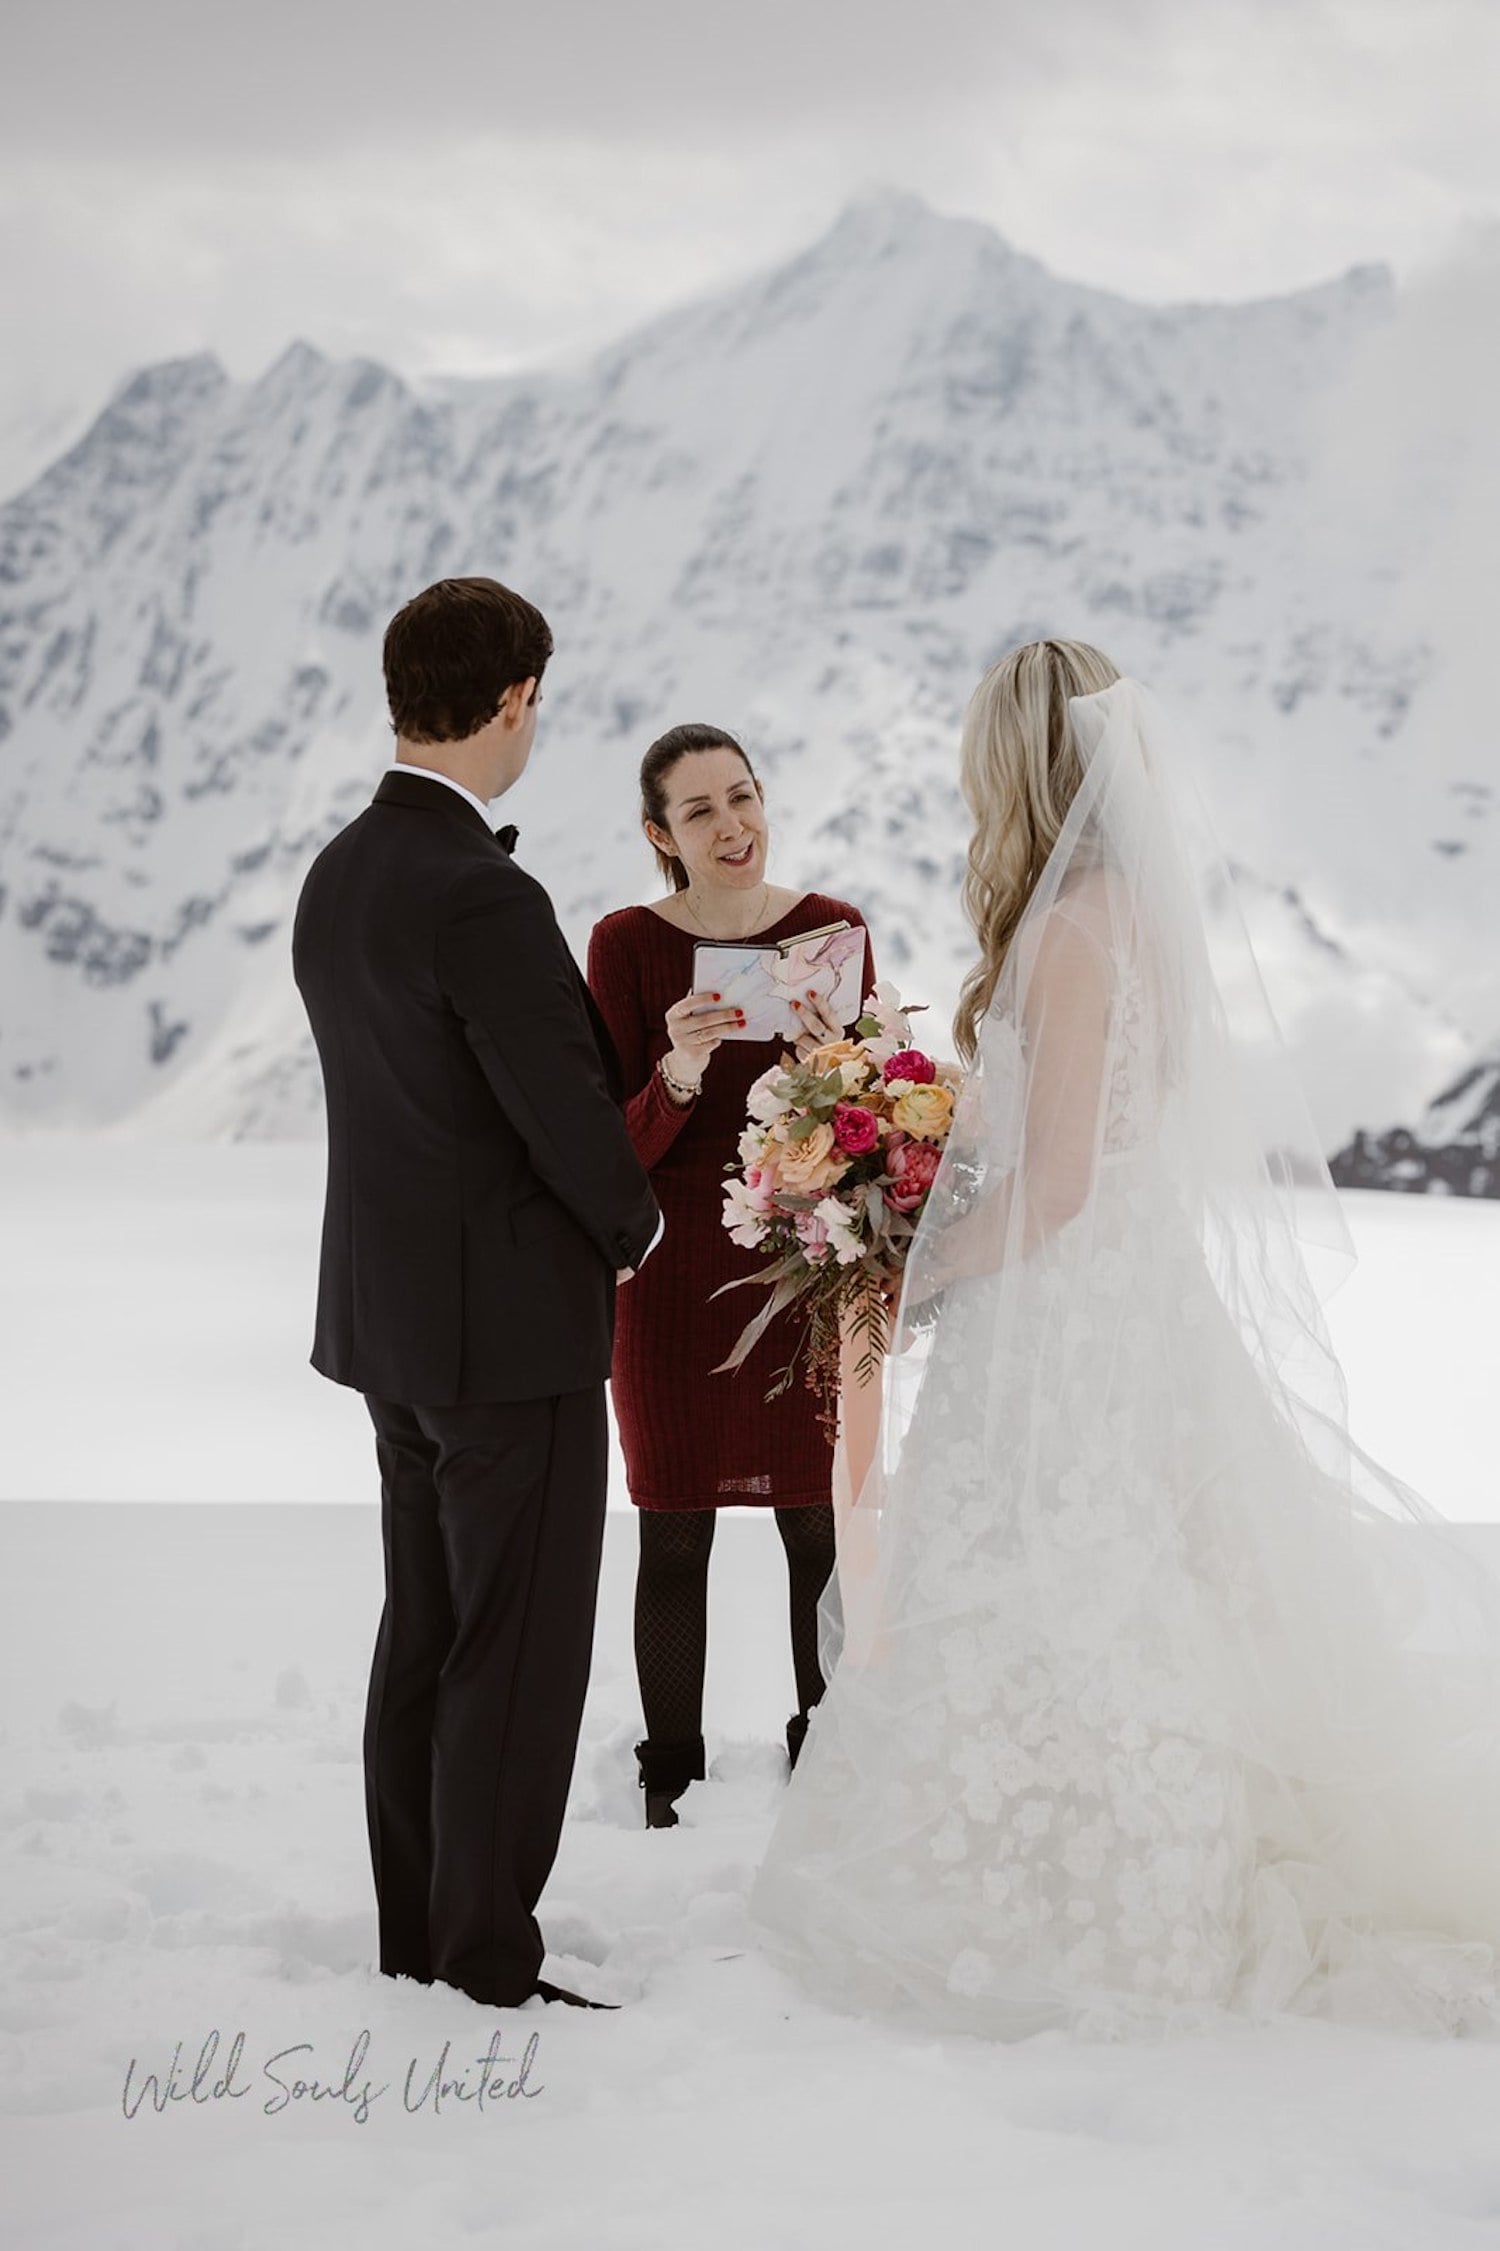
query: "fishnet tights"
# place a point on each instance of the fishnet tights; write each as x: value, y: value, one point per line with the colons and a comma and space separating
x: 671, y: 1610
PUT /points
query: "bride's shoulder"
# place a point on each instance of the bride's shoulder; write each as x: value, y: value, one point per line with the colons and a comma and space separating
x: 1094, y: 887
x: 1077, y: 939
x: 1093, y: 903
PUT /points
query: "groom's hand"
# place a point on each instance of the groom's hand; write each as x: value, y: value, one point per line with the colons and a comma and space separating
x: 626, y: 1274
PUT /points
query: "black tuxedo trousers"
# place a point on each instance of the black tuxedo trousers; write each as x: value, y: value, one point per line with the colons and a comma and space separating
x: 493, y: 1521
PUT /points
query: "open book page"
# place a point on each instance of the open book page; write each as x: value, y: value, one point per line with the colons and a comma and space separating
x: 765, y: 980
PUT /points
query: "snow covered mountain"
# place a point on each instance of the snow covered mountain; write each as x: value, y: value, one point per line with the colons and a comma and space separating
x: 812, y: 510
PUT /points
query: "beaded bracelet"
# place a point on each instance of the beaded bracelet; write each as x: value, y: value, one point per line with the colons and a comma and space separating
x: 675, y: 1086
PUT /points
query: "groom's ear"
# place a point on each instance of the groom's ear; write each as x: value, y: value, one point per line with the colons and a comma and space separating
x: 517, y: 700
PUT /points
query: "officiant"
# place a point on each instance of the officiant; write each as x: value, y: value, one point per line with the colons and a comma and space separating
x: 695, y: 1442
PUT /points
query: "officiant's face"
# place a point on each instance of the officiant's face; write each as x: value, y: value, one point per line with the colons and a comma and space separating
x: 716, y: 819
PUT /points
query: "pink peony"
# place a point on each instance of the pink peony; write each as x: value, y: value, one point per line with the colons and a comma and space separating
x: 912, y: 1167
x: 855, y: 1130
x: 911, y: 1064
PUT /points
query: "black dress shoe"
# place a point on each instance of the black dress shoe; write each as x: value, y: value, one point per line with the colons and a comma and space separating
x: 551, y: 1992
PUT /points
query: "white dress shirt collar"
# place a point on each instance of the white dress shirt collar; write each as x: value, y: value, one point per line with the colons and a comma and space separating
x: 429, y: 774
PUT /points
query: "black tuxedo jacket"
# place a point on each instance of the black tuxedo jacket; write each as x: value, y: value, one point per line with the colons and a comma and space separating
x: 482, y: 1188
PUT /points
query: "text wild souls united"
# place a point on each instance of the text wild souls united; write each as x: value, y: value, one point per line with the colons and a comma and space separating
x: 287, y: 2078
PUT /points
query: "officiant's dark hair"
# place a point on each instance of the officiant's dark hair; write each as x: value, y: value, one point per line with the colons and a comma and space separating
x: 453, y: 651
x: 668, y: 751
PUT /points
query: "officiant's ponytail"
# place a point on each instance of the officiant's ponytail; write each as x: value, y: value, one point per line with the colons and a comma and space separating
x: 665, y: 753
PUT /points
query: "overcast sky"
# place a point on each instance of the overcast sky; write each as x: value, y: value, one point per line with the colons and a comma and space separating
x: 470, y: 184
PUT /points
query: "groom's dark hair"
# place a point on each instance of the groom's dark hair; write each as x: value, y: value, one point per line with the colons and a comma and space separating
x: 453, y: 651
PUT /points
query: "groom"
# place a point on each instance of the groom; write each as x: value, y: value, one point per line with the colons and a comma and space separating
x: 483, y: 1200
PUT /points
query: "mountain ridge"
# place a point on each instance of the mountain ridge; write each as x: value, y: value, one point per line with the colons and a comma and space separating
x: 812, y: 506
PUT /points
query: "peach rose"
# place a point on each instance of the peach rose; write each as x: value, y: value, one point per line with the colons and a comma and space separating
x: 844, y: 1056
x: 809, y: 1165
x: 925, y: 1112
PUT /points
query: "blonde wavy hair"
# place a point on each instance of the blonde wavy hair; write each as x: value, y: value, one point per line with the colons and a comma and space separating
x: 1020, y: 773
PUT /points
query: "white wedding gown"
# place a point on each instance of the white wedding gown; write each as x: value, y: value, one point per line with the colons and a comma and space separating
x: 1159, y: 1699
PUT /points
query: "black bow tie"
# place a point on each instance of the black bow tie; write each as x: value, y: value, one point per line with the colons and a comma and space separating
x: 506, y: 838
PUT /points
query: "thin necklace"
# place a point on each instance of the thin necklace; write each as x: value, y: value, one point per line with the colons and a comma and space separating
x: 755, y: 919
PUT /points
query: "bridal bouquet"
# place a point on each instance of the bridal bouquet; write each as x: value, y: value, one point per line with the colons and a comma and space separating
x: 836, y: 1163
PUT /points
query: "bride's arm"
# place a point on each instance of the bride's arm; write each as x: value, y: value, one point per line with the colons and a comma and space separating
x: 1066, y: 1011
x: 1067, y: 1016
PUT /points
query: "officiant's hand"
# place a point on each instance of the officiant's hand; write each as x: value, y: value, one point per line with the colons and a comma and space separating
x: 695, y: 1027
x: 812, y: 1010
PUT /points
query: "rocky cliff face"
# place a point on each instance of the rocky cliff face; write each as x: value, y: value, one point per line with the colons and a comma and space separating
x: 1453, y: 1151
x: 811, y: 510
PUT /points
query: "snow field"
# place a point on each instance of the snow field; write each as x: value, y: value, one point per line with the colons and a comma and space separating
x: 182, y: 1841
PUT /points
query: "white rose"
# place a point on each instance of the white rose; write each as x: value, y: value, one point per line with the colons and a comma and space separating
x: 761, y: 1102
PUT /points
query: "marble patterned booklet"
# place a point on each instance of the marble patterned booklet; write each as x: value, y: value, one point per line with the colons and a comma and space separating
x: 765, y: 980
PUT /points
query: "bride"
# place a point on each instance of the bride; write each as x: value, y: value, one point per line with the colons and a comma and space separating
x: 1154, y: 1696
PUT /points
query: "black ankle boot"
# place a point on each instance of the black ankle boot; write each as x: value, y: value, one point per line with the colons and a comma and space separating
x: 796, y: 1735
x: 666, y: 1771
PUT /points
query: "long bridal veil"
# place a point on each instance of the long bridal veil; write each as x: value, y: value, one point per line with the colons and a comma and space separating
x: 1151, y: 1694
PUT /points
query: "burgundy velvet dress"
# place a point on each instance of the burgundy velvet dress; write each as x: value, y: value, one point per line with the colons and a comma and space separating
x: 693, y: 1439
